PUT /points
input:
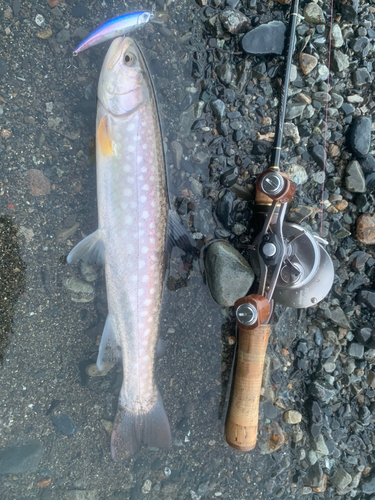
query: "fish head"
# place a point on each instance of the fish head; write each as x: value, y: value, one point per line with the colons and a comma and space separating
x: 122, y: 84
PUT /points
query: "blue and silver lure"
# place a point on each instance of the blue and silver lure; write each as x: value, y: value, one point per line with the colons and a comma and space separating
x: 119, y: 26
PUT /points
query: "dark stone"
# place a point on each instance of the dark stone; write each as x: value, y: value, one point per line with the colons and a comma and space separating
x: 19, y: 459
x: 348, y: 108
x: 3, y: 67
x: 319, y: 155
x: 367, y: 298
x: 79, y: 10
x: 314, y: 475
x: 16, y: 7
x: 364, y: 415
x: 359, y: 136
x: 321, y: 390
x: 238, y: 135
x: 349, y: 10
x: 370, y: 182
x: 265, y: 39
x: 183, y: 424
x: 65, y: 425
x: 364, y: 335
x: 269, y: 410
x: 234, y: 21
x: 224, y: 73
x: 315, y: 417
x: 229, y: 177
x: 367, y: 164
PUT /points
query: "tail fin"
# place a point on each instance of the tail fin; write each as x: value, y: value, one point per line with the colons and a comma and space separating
x: 131, y: 430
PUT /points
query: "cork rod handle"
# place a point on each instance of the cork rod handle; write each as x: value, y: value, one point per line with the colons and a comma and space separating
x: 241, y: 427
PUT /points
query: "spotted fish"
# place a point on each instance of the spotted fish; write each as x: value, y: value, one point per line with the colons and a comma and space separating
x: 131, y: 241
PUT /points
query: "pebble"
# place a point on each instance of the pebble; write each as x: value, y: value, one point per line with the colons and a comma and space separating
x: 189, y: 116
x: 318, y: 444
x: 355, y: 180
x: 229, y: 275
x: 88, y: 271
x: 340, y: 61
x: 82, y: 291
x: 356, y: 350
x: 297, y: 174
x: 313, y: 14
x: 224, y: 73
x: 271, y: 439
x: 368, y: 485
x: 341, y: 479
x: 234, y: 21
x: 63, y: 36
x: 292, y: 417
x: 63, y: 234
x: 39, y: 184
x: 65, y: 425
x: 359, y: 136
x: 367, y: 298
x: 314, y: 475
x: 44, y: 34
x: 265, y: 39
x: 82, y: 495
x: 337, y: 39
x: 307, y: 62
x: 365, y: 229
x: 146, y: 488
x: 20, y: 459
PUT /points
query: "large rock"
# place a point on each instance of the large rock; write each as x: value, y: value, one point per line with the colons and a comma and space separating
x: 19, y: 459
x: 229, y: 276
x: 366, y: 229
x: 234, y: 21
x: 265, y: 39
x: 359, y: 136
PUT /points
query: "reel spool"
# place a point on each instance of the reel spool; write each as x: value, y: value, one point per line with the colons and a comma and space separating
x: 307, y: 272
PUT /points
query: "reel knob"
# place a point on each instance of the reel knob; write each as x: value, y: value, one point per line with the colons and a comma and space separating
x: 252, y: 311
x: 276, y: 186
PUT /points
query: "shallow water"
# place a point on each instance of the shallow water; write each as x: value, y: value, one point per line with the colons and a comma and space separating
x: 48, y: 102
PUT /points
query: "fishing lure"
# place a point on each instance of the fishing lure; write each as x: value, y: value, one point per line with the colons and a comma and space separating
x: 119, y: 26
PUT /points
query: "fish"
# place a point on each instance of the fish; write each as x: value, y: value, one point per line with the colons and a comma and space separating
x: 136, y: 231
x: 113, y: 28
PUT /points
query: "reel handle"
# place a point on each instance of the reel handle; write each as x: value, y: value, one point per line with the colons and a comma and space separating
x: 241, y: 426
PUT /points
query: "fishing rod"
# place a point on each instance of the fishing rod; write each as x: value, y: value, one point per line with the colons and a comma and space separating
x: 293, y: 269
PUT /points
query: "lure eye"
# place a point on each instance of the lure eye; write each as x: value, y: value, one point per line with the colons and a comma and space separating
x: 129, y: 59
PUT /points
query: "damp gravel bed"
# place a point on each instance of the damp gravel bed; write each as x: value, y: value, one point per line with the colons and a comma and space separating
x: 218, y: 93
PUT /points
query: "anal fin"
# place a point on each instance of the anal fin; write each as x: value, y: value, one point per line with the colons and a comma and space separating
x: 109, y: 349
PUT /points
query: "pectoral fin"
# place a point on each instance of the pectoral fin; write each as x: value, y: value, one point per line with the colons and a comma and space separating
x: 90, y: 249
x: 178, y: 236
x: 103, y: 138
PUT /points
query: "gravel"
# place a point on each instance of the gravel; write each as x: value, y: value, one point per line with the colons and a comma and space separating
x: 218, y: 91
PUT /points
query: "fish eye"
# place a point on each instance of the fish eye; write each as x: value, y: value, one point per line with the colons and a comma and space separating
x: 129, y: 59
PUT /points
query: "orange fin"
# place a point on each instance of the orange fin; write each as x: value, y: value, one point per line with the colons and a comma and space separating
x: 104, y: 142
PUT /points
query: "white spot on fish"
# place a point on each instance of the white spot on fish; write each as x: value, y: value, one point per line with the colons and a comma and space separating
x: 124, y: 233
x: 145, y: 187
x: 128, y: 220
x: 129, y: 248
x: 133, y: 204
x: 123, y: 205
x: 131, y: 148
x: 153, y: 257
x: 152, y: 291
x: 143, y: 124
x: 145, y: 278
x: 126, y: 168
x: 144, y: 146
x: 146, y: 332
x: 146, y: 358
x: 130, y: 179
x: 152, y: 178
x: 147, y: 302
x: 139, y: 159
x: 144, y: 250
x: 143, y: 170
x: 141, y: 350
x: 151, y: 225
x: 144, y: 375
x: 145, y: 215
x: 143, y: 314
x: 130, y: 127
x: 141, y: 232
x: 144, y: 342
x: 127, y: 192
x: 143, y: 198
x: 141, y: 263
x: 149, y: 320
